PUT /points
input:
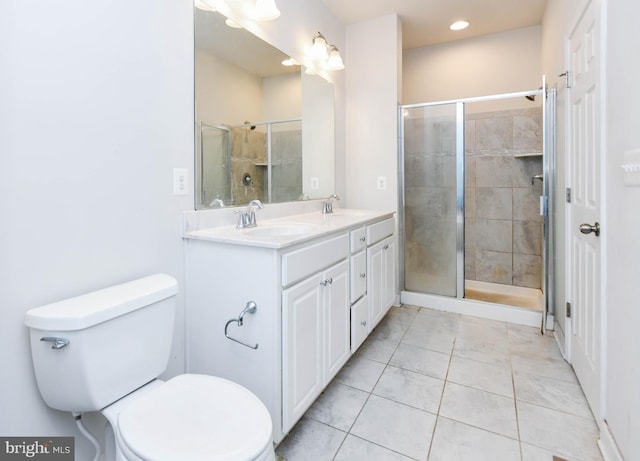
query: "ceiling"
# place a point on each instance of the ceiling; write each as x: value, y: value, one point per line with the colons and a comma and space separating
x: 426, y: 22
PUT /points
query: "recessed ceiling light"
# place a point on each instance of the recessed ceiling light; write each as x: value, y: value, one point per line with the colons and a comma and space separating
x: 459, y: 25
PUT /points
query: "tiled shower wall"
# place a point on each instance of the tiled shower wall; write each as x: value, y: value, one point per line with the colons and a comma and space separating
x: 248, y: 155
x: 503, y: 227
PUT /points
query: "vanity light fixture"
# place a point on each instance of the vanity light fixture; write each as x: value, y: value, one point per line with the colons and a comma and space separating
x: 319, y: 47
x: 459, y: 25
x: 322, y: 56
x: 266, y: 10
x: 231, y: 23
x: 205, y: 5
x: 335, y: 60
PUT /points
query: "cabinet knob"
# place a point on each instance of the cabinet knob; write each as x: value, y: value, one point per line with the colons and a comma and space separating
x: 386, y: 247
x: 362, y: 239
x: 363, y: 323
x: 363, y: 275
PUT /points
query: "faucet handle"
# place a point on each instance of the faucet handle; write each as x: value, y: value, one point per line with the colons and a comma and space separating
x: 327, y: 207
x: 242, y: 219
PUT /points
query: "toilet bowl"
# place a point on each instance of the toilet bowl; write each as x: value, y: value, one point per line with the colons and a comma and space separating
x: 191, y: 417
x: 103, y: 351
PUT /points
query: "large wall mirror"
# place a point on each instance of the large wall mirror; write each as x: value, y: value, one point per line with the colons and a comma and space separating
x: 263, y: 130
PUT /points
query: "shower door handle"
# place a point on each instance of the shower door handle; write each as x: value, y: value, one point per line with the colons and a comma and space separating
x: 588, y: 228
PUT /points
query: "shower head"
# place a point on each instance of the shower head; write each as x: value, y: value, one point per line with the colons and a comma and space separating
x: 531, y: 97
x: 247, y: 124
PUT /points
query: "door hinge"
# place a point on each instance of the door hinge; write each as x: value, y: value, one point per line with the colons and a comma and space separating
x: 567, y: 82
x: 568, y: 194
x: 568, y: 310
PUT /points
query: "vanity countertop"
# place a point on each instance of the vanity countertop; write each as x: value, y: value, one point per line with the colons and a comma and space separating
x: 290, y: 230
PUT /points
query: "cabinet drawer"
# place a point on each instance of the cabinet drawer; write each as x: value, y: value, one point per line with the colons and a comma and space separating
x: 358, y: 276
x: 298, y: 264
x: 380, y: 230
x: 359, y: 323
x: 358, y: 239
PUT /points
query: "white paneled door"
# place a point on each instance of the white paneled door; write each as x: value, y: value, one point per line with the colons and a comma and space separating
x: 583, y: 59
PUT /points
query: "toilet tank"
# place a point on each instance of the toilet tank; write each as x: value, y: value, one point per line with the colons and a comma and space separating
x: 119, y: 339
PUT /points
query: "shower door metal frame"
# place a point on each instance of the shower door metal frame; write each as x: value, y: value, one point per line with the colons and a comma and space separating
x: 547, y: 146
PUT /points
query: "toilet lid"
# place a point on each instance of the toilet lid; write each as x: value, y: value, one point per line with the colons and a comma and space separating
x: 196, y: 417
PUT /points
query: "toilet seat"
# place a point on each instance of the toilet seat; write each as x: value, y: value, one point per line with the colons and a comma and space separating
x: 197, y: 417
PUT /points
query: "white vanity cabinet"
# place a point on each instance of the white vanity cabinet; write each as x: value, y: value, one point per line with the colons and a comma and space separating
x: 381, y: 289
x: 381, y: 259
x: 311, y: 292
x: 315, y: 338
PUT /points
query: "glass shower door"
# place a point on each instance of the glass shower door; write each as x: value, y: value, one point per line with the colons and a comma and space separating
x: 433, y: 205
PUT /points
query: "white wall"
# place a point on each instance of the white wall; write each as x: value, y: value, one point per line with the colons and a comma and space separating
x: 97, y: 109
x: 621, y: 229
x: 372, y: 90
x: 492, y: 64
x: 226, y: 93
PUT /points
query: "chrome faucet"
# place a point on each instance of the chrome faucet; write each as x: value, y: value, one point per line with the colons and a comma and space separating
x: 248, y: 218
x: 327, y: 207
x: 217, y: 203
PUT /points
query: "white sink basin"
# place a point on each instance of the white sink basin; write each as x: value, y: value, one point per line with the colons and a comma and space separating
x: 279, y: 230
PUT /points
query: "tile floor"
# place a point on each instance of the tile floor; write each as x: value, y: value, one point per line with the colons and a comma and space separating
x: 430, y: 385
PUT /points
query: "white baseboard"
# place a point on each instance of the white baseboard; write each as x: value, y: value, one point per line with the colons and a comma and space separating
x: 607, y: 444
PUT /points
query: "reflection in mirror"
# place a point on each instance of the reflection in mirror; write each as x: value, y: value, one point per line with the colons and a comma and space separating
x: 263, y: 130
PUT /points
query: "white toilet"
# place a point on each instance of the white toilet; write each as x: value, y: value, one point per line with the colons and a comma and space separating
x: 103, y: 351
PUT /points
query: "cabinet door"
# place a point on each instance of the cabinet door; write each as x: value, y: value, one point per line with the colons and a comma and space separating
x: 302, y: 348
x: 382, y: 280
x: 337, y: 331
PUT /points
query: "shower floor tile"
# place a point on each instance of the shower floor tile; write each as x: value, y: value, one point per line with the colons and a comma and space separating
x: 404, y: 396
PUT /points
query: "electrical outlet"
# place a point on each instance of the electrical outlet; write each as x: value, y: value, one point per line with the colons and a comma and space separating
x: 180, y: 181
x: 315, y: 183
x: 381, y: 182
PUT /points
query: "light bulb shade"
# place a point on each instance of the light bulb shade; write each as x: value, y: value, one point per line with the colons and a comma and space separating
x: 266, y: 10
x: 335, y: 60
x: 319, y: 47
x: 231, y: 23
x: 205, y: 5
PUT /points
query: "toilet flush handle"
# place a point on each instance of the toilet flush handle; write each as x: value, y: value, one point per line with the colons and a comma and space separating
x: 56, y: 343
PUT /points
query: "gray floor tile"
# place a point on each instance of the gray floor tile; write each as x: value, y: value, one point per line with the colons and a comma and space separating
x: 311, y: 440
x: 338, y: 406
x: 491, y: 412
x: 548, y: 429
x: 483, y: 376
x: 414, y: 389
x: 551, y: 393
x: 357, y: 449
x: 421, y: 360
x: 395, y: 426
x: 550, y: 367
x: 361, y: 373
x: 379, y: 350
x: 455, y: 441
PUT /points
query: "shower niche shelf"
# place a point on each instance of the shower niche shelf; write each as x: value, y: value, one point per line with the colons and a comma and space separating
x: 528, y: 154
